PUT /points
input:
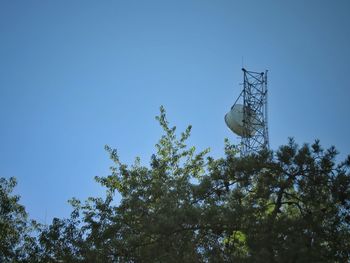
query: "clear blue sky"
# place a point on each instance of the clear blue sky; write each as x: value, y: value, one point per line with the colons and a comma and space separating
x: 76, y: 75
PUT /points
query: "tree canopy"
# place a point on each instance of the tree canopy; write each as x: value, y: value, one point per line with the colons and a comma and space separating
x: 289, y: 205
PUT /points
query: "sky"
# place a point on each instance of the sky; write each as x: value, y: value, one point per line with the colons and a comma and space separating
x: 77, y: 75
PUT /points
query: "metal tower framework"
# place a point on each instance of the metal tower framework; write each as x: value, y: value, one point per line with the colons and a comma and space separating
x: 254, y: 112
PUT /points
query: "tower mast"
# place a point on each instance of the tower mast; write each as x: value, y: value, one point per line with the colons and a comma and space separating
x: 255, y: 126
x: 248, y: 115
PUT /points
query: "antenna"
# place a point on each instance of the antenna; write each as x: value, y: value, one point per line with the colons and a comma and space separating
x: 248, y: 115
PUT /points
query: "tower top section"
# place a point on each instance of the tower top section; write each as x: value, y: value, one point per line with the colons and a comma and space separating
x: 248, y: 116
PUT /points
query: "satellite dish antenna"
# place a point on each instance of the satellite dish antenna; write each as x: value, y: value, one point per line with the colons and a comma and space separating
x: 248, y: 116
x: 235, y: 120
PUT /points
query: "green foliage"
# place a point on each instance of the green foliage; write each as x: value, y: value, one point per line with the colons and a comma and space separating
x: 291, y: 205
x: 16, y: 242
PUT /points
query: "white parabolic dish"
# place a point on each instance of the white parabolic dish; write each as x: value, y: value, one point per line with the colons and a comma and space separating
x: 234, y: 120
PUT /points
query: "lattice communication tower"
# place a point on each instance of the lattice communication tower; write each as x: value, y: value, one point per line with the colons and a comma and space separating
x: 248, y: 115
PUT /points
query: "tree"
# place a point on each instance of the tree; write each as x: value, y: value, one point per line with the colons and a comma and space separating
x: 17, y: 244
x: 297, y: 205
x: 291, y: 205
